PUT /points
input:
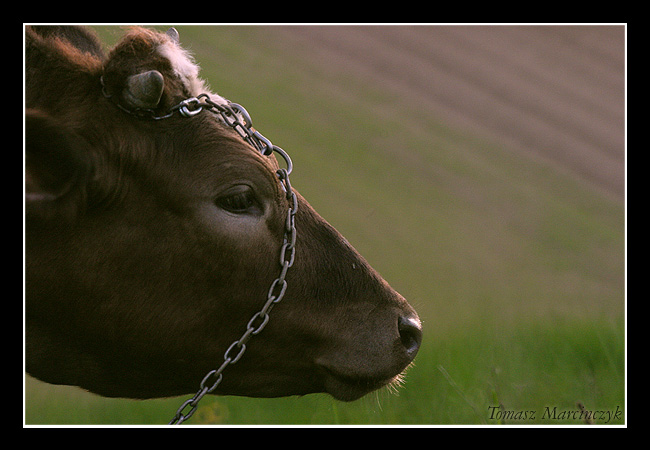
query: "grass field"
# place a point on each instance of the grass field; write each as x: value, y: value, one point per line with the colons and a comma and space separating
x: 515, y: 263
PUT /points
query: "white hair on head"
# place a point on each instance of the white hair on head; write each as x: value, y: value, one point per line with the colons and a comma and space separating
x: 185, y: 67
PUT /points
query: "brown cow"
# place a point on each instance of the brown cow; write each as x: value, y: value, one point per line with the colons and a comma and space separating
x: 150, y: 244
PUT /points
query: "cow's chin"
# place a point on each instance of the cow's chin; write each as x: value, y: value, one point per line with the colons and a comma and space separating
x: 346, y: 388
x: 342, y: 387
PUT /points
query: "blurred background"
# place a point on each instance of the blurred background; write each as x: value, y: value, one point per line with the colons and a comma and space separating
x: 481, y: 170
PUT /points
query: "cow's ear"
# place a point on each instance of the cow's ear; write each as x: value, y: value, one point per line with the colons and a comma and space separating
x: 57, y: 166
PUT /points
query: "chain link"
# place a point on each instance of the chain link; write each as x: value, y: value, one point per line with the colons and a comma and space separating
x: 232, y: 115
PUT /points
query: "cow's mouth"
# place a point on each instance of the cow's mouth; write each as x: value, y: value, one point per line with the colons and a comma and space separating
x: 348, y: 388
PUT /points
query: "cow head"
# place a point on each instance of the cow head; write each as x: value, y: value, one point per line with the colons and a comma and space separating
x: 150, y: 244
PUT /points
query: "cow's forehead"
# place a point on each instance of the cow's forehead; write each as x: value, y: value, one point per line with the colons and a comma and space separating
x: 182, y: 64
x: 186, y: 68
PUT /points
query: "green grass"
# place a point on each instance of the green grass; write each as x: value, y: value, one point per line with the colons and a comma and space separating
x: 516, y: 268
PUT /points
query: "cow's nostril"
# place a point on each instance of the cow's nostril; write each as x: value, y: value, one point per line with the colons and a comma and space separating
x: 410, y: 333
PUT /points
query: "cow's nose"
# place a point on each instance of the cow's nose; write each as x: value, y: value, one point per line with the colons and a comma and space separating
x: 410, y: 333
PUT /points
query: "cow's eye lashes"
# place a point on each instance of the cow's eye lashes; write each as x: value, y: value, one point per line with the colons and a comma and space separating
x: 239, y: 202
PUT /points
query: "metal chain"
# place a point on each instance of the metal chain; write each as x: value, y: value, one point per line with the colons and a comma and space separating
x: 231, y: 113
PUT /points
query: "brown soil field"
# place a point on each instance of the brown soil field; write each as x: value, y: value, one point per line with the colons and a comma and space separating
x: 556, y: 93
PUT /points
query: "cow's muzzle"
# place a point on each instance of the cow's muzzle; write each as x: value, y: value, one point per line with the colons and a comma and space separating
x: 372, y: 361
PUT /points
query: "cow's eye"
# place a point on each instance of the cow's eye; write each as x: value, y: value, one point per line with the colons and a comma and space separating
x: 239, y: 200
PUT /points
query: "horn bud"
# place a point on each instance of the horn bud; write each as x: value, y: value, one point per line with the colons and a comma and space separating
x: 173, y: 35
x: 144, y: 90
